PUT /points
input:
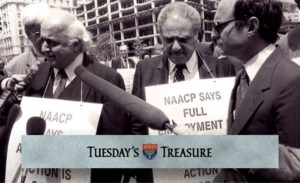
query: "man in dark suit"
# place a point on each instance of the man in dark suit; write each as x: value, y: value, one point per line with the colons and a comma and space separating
x: 178, y: 25
x: 64, y: 42
x: 123, y: 62
x: 265, y: 99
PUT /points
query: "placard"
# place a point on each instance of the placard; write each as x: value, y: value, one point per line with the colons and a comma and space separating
x: 128, y: 75
x: 62, y: 118
x: 200, y: 105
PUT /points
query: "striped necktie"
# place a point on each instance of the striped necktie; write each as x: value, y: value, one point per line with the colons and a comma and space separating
x: 62, y: 77
x: 178, y: 73
x: 242, y: 88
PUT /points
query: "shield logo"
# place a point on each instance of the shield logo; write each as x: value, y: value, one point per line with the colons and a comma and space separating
x: 149, y: 150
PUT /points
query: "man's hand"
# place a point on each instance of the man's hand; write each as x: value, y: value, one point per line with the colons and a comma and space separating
x: 14, y: 83
x: 183, y: 130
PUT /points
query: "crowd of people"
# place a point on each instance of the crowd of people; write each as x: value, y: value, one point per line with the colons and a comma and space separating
x: 265, y: 99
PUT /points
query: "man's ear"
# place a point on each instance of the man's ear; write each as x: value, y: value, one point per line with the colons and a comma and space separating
x: 253, y: 24
x: 76, y: 44
x: 161, y: 38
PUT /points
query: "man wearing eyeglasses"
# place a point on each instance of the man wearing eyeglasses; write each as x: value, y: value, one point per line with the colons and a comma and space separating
x: 266, y: 98
x: 32, y: 16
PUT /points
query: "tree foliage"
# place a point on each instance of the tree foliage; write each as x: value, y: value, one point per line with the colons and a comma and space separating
x: 104, y: 47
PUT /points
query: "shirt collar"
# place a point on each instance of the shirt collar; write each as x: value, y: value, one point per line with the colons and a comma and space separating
x: 70, y: 68
x: 190, y: 64
x: 255, y: 63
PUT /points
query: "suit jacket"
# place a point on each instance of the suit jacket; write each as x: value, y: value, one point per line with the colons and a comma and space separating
x: 117, y: 63
x: 271, y: 106
x: 19, y: 64
x: 113, y: 119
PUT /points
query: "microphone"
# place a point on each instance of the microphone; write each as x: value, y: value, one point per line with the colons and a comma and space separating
x: 143, y: 111
x: 35, y: 126
x: 6, y: 94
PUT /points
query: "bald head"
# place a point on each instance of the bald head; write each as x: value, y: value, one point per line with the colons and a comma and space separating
x: 178, y: 10
x: 225, y: 11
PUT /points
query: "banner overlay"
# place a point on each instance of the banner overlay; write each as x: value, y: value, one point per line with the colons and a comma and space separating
x: 106, y: 151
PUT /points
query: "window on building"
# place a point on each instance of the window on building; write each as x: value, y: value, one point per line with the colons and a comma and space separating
x: 100, y: 2
x: 90, y: 6
x: 91, y: 15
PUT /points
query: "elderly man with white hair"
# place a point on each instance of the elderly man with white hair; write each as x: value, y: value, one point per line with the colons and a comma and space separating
x: 32, y: 16
x: 64, y: 42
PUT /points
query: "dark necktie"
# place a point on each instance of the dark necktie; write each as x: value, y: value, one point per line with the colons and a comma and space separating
x: 125, y: 63
x: 178, y: 73
x: 242, y: 88
x: 62, y: 76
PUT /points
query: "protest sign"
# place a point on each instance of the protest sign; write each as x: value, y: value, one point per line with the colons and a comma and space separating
x: 128, y: 75
x: 62, y: 118
x: 201, y: 105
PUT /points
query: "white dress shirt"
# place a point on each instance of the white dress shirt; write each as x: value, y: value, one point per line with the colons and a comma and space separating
x: 190, y: 73
x: 255, y: 63
x: 69, y: 71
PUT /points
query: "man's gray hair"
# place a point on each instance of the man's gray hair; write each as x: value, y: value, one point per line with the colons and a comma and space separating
x: 71, y: 27
x: 182, y: 9
x: 77, y: 30
x: 34, y: 13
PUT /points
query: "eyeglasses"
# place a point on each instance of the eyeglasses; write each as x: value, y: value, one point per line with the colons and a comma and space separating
x: 219, y: 27
x: 35, y: 34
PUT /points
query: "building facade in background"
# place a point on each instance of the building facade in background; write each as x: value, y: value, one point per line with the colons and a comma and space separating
x: 130, y: 20
x: 127, y: 21
x: 13, y: 40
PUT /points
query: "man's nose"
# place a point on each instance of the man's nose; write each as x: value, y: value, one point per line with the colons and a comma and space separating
x: 215, y: 34
x: 176, y: 46
x: 45, y: 47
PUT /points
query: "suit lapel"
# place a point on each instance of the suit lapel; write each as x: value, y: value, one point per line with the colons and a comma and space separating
x: 73, y: 90
x: 230, y: 118
x: 255, y: 94
x: 206, y: 64
x: 161, y: 73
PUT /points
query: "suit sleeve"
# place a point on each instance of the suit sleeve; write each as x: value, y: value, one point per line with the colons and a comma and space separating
x: 289, y: 167
x: 288, y: 114
x: 288, y: 128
